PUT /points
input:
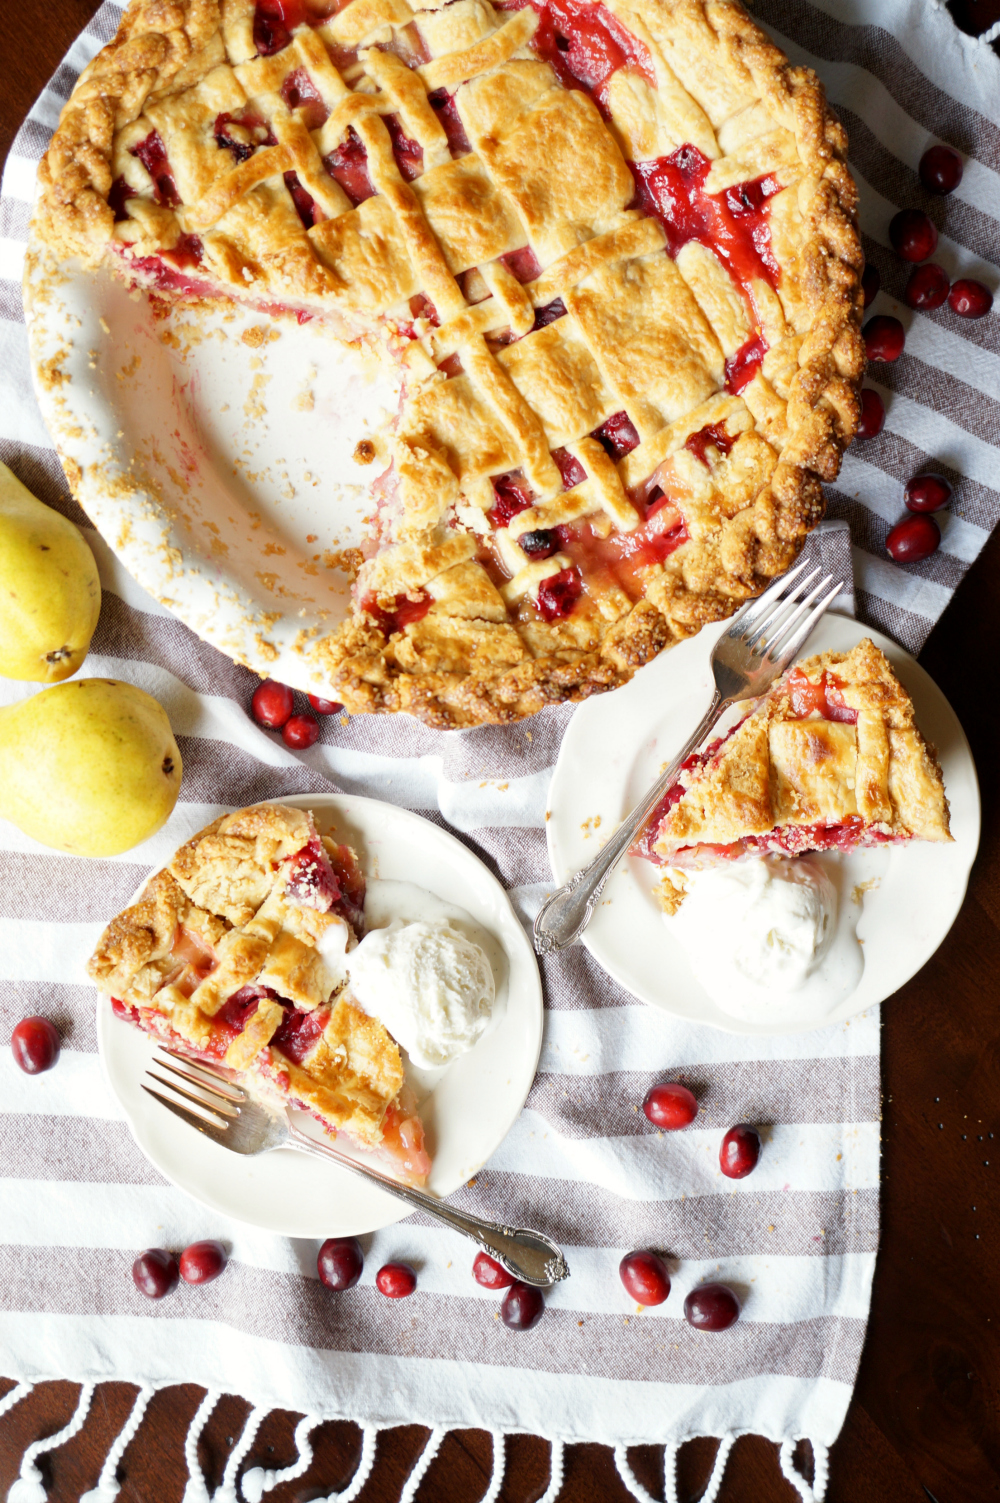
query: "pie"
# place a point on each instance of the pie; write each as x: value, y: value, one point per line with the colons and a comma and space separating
x: 829, y: 760
x: 614, y: 248
x: 234, y: 953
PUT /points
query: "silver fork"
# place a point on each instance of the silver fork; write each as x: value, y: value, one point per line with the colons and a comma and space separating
x: 758, y: 644
x: 227, y: 1115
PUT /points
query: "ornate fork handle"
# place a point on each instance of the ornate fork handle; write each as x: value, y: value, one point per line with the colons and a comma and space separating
x: 564, y: 915
x: 528, y: 1255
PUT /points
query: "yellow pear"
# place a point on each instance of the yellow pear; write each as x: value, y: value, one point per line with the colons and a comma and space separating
x: 50, y: 595
x: 90, y: 767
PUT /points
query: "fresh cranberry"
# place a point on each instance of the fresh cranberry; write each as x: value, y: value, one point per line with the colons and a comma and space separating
x: 488, y: 1272
x: 300, y: 732
x: 884, y: 338
x: 396, y: 1280
x: 272, y: 704
x: 340, y: 1262
x: 155, y: 1272
x: 522, y: 1307
x: 927, y: 493
x: 913, y: 235
x: 325, y: 706
x: 970, y: 299
x: 670, y: 1105
x: 202, y: 1262
x: 645, y: 1276
x: 740, y: 1151
x: 35, y: 1044
x: 940, y: 169
x: 872, y: 419
x: 711, y: 1307
x: 913, y: 539
x: 871, y: 281
x: 927, y: 287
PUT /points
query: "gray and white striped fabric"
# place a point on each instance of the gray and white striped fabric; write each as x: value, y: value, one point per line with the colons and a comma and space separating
x: 798, y: 1239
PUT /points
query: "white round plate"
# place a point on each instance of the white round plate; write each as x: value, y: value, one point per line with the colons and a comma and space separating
x: 616, y: 745
x: 467, y: 1108
x: 212, y: 449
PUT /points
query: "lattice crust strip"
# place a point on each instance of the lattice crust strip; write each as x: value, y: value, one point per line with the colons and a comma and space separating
x: 426, y: 174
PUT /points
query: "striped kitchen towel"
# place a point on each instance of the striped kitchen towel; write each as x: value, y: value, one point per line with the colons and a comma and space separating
x: 798, y: 1239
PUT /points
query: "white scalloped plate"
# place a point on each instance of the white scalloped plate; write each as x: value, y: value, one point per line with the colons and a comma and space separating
x: 220, y: 471
x: 613, y: 749
x: 467, y: 1108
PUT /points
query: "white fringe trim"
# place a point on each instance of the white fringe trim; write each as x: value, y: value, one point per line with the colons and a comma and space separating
x: 821, y: 1469
x: 196, y: 1490
x: 369, y: 1438
x: 421, y: 1464
x: 257, y: 1481
x: 29, y: 1487
x: 990, y: 34
x: 106, y: 1490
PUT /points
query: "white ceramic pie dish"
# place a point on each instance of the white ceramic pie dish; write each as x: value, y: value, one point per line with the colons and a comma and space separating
x: 220, y: 471
x: 615, y: 746
x: 467, y: 1108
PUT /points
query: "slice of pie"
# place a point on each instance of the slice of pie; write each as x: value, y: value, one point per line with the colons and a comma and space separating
x: 829, y: 760
x: 613, y: 246
x: 235, y: 953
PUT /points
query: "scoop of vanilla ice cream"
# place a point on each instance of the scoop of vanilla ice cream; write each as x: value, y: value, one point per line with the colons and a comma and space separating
x: 763, y: 921
x: 427, y: 984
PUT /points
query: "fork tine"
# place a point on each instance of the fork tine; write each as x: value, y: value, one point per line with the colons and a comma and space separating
x: 782, y: 631
x: 777, y: 618
x: 218, y: 1106
x: 217, y: 1087
x: 219, y: 1082
x: 191, y: 1118
x: 803, y: 633
x: 751, y: 612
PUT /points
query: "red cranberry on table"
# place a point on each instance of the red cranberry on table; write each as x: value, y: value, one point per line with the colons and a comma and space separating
x: 488, y: 1272
x: 670, y: 1105
x: 300, y: 732
x: 927, y: 287
x: 940, y: 169
x: 645, y: 1276
x: 35, y: 1045
x: 871, y: 281
x: 522, y: 1307
x: 396, y: 1280
x: 913, y: 539
x: 339, y: 1262
x: 927, y: 493
x: 155, y: 1272
x: 711, y: 1307
x: 202, y: 1262
x: 872, y: 419
x: 325, y: 706
x: 740, y: 1151
x: 272, y: 704
x: 912, y: 235
x: 884, y: 338
x: 970, y: 299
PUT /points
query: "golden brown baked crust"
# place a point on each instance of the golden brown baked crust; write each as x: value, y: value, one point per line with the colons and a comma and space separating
x: 789, y: 772
x: 514, y: 369
x: 246, y: 903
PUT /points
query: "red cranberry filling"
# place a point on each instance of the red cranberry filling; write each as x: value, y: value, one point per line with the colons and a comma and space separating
x: 237, y: 1011
x: 443, y: 105
x: 311, y: 879
x: 512, y: 496
x: 409, y: 154
x: 570, y: 469
x: 744, y: 365
x: 153, y: 155
x: 403, y: 613
x: 548, y: 314
x: 300, y: 93
x: 273, y: 23
x: 585, y: 44
x: 714, y: 436
x: 304, y: 202
x: 118, y: 197
x: 299, y: 1032
x: 522, y: 264
x: 250, y: 124
x: 558, y: 594
x: 825, y: 698
x: 347, y: 164
x: 541, y: 543
x: 617, y: 435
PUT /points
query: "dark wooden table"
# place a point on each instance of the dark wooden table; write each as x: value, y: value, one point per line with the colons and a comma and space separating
x: 924, y: 1422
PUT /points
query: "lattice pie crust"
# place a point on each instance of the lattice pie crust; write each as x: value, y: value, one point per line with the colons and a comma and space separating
x: 831, y: 759
x: 614, y: 246
x: 234, y: 952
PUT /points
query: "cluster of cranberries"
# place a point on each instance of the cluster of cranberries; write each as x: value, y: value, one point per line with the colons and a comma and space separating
x: 272, y: 707
x: 156, y: 1271
x: 710, y: 1307
x: 341, y: 1260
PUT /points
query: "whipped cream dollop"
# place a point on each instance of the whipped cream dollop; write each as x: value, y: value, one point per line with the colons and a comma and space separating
x: 763, y: 938
x: 427, y: 984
